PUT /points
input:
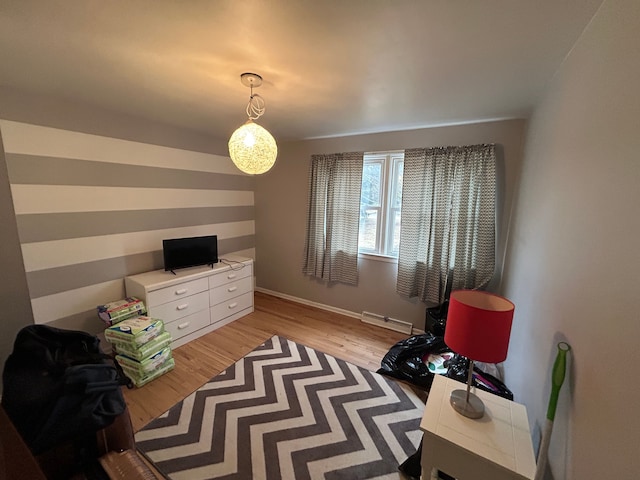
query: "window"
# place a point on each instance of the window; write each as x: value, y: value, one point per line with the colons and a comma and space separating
x: 380, y: 202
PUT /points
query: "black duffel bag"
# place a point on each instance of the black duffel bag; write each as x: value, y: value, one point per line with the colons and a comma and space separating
x: 58, y: 386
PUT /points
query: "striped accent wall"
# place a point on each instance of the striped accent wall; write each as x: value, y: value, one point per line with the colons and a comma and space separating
x: 91, y: 210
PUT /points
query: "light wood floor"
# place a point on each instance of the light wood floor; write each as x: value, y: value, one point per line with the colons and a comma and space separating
x: 198, y: 361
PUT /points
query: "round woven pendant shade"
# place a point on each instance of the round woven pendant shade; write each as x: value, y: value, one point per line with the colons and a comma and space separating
x: 252, y: 148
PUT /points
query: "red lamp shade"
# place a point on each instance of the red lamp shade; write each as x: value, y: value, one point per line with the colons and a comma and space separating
x: 479, y: 325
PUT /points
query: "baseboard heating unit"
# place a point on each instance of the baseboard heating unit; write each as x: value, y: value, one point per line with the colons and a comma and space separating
x: 386, y: 322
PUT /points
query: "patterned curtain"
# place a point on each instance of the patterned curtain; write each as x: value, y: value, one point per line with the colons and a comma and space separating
x: 447, y: 237
x: 331, y: 246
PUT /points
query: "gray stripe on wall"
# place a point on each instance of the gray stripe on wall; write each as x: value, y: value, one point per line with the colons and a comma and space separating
x: 41, y: 170
x: 71, y: 277
x: 41, y: 227
x: 235, y: 244
x: 85, y: 321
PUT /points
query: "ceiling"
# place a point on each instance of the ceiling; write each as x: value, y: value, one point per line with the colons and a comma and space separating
x: 330, y: 67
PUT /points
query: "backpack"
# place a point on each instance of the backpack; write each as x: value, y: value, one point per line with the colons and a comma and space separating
x: 58, y: 386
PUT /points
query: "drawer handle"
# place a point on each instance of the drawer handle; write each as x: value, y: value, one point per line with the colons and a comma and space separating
x: 182, y: 307
x: 232, y: 305
x: 232, y: 289
x: 231, y: 276
x: 182, y: 291
x: 183, y: 325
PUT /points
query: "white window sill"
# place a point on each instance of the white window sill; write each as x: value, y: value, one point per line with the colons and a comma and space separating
x: 377, y: 257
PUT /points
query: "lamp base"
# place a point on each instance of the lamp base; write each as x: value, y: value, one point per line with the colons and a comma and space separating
x: 473, y: 408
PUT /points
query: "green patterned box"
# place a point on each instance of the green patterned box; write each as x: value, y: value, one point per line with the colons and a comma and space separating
x: 115, y: 312
x: 141, y: 352
x: 148, y: 364
x: 140, y: 380
x: 135, y: 331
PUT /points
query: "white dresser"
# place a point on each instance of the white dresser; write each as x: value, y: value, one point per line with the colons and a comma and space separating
x: 196, y: 300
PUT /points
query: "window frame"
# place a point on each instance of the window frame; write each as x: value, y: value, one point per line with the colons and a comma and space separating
x: 390, y: 162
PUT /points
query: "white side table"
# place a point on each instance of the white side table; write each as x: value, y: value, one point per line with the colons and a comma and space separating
x: 497, y: 446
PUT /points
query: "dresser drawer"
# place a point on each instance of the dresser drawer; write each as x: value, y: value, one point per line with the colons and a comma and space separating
x: 190, y: 302
x: 230, y: 290
x: 234, y: 305
x: 168, y: 294
x: 232, y: 275
x: 168, y: 312
x: 189, y: 324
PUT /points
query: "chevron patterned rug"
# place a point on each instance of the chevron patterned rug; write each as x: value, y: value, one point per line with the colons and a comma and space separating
x: 287, y: 411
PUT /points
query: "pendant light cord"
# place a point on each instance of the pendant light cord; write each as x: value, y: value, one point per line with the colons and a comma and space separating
x: 256, y: 106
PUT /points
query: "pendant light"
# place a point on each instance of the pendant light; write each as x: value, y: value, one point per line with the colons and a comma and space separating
x: 251, y: 147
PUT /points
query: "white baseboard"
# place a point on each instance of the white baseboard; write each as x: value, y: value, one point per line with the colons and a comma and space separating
x: 322, y: 306
x: 387, y: 322
x: 304, y: 301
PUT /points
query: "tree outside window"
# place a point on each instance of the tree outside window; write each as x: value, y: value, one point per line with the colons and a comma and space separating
x: 380, y: 203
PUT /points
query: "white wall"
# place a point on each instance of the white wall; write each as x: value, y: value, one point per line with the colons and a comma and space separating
x: 281, y: 209
x: 574, y: 264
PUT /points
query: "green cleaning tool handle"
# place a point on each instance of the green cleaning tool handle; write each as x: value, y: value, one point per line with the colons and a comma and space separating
x: 557, y: 376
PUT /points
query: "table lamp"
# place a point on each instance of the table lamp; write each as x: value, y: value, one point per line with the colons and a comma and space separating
x: 478, y: 327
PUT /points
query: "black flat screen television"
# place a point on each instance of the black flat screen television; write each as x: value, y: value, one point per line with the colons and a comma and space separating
x: 190, y: 252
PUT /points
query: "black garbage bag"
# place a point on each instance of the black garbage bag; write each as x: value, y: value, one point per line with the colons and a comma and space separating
x: 404, y: 360
x: 437, y: 319
x: 459, y: 370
